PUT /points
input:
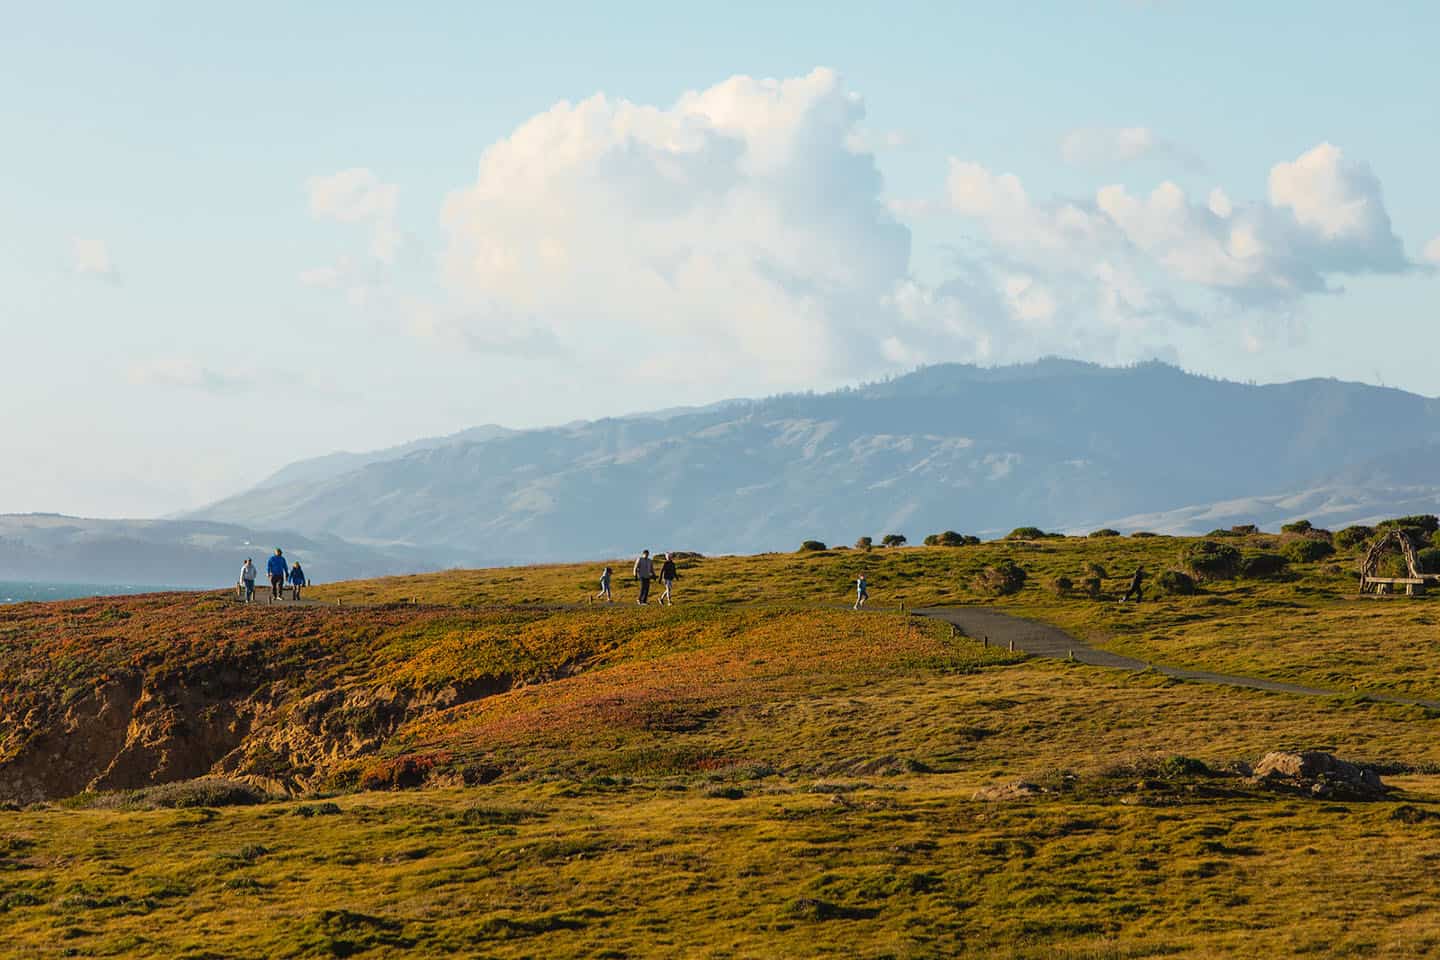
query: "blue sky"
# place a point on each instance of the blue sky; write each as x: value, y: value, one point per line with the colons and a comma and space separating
x: 236, y: 239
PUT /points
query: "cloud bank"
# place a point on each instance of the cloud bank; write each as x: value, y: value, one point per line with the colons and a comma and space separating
x: 742, y: 223
x: 742, y: 235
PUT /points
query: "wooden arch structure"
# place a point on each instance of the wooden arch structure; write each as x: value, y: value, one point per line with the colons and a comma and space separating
x: 1414, y: 582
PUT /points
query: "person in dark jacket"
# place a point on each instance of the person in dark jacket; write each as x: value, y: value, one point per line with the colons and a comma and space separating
x: 277, y: 568
x: 297, y: 578
x: 668, y: 576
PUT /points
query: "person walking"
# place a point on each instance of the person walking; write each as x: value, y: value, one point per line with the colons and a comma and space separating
x: 668, y: 576
x: 247, y: 578
x: 862, y: 592
x: 277, y: 568
x: 644, y: 572
x: 604, y: 593
x: 1134, y: 590
x: 297, y: 578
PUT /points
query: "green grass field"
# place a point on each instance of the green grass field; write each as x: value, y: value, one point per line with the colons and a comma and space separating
x: 503, y: 770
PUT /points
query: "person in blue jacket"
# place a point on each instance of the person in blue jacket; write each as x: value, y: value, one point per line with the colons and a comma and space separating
x: 277, y: 568
x: 297, y: 578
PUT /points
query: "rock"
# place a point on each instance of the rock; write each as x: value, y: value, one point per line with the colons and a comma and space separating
x: 1009, y: 792
x: 1318, y: 774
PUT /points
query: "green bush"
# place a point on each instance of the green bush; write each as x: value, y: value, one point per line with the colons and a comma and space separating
x: 810, y: 546
x: 1353, y: 536
x: 1060, y: 586
x: 1093, y: 569
x: 1244, y: 530
x: 1427, y: 523
x: 1025, y: 533
x: 1429, y: 560
x: 1263, y: 565
x: 1208, y: 560
x: 1104, y: 532
x: 1299, y: 526
x: 1176, y: 582
x: 949, y: 539
x: 864, y: 543
x: 1307, y: 551
x: 1004, y: 578
x: 1221, y: 532
x: 893, y: 540
x: 1090, y: 586
x: 1144, y: 533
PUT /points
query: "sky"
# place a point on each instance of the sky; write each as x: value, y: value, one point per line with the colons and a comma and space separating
x: 231, y: 238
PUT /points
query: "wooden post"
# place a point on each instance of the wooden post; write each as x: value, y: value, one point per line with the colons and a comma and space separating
x: 1012, y: 646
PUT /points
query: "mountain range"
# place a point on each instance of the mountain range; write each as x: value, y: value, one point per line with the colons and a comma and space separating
x: 1058, y: 444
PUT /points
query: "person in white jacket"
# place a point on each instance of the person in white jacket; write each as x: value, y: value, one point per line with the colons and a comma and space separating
x: 644, y: 572
x: 247, y: 578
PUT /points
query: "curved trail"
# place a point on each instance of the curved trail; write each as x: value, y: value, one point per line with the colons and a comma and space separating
x: 1043, y: 640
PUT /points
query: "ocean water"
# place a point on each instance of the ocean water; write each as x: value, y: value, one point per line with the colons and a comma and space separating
x: 17, y: 591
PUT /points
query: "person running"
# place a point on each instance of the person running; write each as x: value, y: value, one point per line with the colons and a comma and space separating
x: 297, y: 578
x: 604, y: 593
x: 862, y: 591
x: 1135, y: 590
x: 277, y: 568
x: 668, y: 576
x: 247, y: 578
x: 644, y: 572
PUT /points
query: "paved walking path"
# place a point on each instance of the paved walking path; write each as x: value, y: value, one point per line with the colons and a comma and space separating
x: 1043, y: 640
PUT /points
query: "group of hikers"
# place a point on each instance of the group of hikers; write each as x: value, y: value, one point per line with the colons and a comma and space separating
x: 279, y: 570
x: 644, y: 572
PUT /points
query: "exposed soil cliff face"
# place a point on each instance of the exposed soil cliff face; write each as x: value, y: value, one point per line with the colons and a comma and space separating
x: 138, y: 731
x: 127, y: 692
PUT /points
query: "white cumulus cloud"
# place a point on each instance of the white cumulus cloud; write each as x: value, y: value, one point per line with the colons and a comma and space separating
x: 1323, y: 218
x: 744, y: 221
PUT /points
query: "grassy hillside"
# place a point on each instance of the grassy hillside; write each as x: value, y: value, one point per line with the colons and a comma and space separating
x: 1306, y: 624
x: 500, y: 770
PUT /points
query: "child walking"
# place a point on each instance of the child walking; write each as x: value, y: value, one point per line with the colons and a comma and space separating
x: 862, y: 592
x: 604, y: 593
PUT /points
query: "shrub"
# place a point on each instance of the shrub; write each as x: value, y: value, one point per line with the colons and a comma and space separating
x: 1429, y: 560
x: 810, y: 546
x: 1245, y: 530
x: 1262, y: 565
x: 204, y: 792
x: 1025, y: 533
x: 1208, y: 560
x: 1221, y: 532
x: 401, y: 773
x: 949, y: 539
x: 1090, y: 586
x: 1059, y: 586
x: 1427, y: 523
x: 1104, y: 532
x: 1299, y: 526
x: 1093, y: 569
x: 1004, y: 578
x: 1144, y: 533
x: 1307, y: 551
x: 1176, y: 582
x: 893, y: 540
x: 1353, y: 536
x: 864, y: 543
